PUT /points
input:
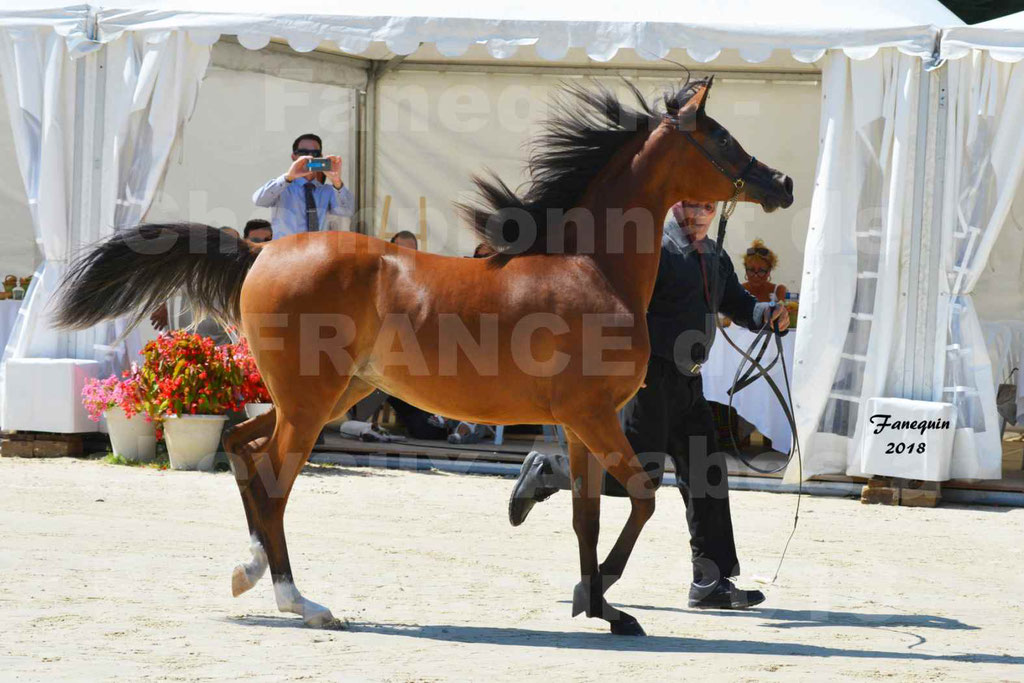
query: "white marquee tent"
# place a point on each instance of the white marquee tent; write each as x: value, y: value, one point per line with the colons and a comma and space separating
x: 98, y: 96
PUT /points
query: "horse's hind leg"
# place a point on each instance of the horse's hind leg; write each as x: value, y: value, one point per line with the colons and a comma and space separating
x: 286, y: 454
x: 607, y: 446
x: 240, y: 442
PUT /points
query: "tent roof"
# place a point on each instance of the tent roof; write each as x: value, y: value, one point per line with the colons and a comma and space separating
x: 1002, y: 37
x: 602, y: 27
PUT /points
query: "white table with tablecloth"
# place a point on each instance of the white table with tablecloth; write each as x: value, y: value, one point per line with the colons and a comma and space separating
x: 8, y: 315
x: 756, y: 403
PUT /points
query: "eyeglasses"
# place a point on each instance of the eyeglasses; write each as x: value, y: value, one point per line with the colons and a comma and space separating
x: 758, y: 271
x: 758, y: 251
x: 307, y: 152
x: 259, y: 240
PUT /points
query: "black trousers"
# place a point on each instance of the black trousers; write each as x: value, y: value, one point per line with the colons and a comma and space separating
x: 670, y: 417
x: 416, y: 421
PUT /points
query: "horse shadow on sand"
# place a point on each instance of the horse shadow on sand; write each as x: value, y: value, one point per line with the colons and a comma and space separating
x: 790, y: 618
x: 583, y: 640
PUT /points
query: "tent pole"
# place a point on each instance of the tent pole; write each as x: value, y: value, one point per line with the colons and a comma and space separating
x: 368, y: 143
x: 919, y: 294
x: 930, y: 358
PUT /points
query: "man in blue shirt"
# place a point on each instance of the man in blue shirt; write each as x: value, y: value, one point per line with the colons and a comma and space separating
x: 300, y: 199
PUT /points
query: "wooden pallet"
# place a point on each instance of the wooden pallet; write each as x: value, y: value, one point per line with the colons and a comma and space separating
x: 892, y: 491
x: 45, y: 445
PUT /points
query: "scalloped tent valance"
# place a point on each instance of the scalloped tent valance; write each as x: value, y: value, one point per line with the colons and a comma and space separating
x: 806, y: 28
x: 1002, y: 38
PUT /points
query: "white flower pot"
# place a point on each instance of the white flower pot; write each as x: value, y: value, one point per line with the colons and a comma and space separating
x: 254, y: 409
x: 132, y: 438
x: 193, y: 440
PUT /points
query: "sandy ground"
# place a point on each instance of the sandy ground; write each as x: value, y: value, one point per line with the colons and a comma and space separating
x: 110, y: 572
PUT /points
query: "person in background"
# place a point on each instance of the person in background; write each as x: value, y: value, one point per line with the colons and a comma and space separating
x: 406, y: 239
x: 418, y: 423
x: 669, y: 416
x: 759, y: 262
x: 301, y: 199
x: 258, y: 231
x: 464, y: 433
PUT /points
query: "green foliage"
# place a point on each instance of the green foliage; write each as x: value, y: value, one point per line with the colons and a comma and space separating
x: 159, y: 463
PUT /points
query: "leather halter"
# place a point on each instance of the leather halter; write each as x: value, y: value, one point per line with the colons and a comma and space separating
x: 738, y: 180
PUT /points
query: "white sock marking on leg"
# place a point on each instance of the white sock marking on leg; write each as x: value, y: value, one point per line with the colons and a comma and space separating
x: 289, y: 599
x: 257, y: 566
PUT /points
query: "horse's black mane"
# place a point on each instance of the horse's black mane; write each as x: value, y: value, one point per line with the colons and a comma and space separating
x: 588, y: 126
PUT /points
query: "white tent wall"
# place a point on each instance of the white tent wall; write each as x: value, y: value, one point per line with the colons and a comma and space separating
x: 250, y: 108
x: 93, y: 132
x: 984, y: 221
x: 999, y: 302
x: 18, y: 252
x: 854, y: 317
x: 985, y: 165
x: 437, y: 129
x: 999, y: 294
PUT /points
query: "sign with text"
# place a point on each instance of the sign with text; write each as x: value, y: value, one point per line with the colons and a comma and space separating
x: 908, y: 439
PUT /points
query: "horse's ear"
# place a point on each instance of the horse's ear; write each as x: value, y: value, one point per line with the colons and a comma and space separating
x: 703, y: 93
x: 688, y: 113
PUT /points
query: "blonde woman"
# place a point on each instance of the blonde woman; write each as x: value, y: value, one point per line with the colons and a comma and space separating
x: 759, y: 262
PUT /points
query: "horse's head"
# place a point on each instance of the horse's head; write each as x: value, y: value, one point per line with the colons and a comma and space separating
x: 718, y: 168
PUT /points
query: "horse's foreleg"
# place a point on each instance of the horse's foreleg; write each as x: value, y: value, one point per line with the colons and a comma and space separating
x: 586, y: 522
x: 240, y: 443
x: 605, y: 440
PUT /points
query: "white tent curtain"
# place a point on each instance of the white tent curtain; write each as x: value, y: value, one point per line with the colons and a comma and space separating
x: 984, y: 163
x: 860, y: 214
x: 93, y: 135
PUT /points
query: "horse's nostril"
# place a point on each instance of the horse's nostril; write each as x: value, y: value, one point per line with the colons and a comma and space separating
x: 788, y: 184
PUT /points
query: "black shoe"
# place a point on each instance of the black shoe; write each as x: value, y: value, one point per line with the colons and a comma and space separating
x: 527, y: 489
x: 723, y: 595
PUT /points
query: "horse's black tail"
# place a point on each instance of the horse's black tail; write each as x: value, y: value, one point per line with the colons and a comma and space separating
x: 136, y: 270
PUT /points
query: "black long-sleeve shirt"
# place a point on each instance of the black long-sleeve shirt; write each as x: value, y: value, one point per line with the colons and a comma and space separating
x: 679, y: 319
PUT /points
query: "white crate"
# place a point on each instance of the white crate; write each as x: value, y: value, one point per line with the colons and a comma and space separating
x: 45, y: 395
x: 908, y: 439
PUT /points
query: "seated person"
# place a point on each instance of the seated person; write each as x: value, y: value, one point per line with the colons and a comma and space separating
x: 258, y: 231
x: 759, y: 262
x: 404, y: 238
x: 419, y: 423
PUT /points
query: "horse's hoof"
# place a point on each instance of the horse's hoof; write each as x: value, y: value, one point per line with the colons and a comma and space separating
x: 627, y: 625
x: 240, y: 581
x: 318, y: 618
x: 580, y: 599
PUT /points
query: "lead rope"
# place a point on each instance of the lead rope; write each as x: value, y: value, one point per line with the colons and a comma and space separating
x: 785, y: 402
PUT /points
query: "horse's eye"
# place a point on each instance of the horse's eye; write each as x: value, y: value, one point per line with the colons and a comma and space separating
x: 723, y: 141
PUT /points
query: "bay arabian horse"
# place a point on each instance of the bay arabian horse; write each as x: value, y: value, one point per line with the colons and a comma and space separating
x: 332, y: 315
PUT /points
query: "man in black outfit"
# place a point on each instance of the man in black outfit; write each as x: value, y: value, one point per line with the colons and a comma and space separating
x: 669, y: 415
